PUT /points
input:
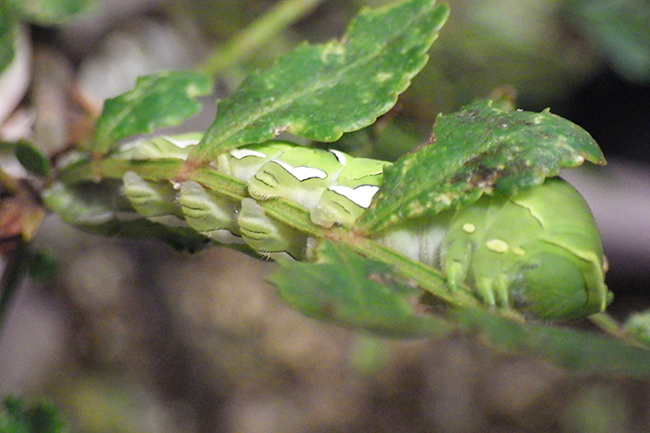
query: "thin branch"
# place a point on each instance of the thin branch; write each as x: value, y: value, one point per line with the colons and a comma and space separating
x: 14, y: 271
x: 250, y: 39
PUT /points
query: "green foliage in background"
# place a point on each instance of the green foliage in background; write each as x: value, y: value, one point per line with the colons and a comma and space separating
x: 40, y: 417
x: 621, y: 31
x: 42, y: 12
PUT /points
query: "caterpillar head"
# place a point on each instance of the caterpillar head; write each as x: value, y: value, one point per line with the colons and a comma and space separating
x: 538, y: 252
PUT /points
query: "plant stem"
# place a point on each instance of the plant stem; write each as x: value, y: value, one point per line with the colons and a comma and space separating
x: 297, y: 217
x: 286, y: 212
x: 250, y: 39
x: 87, y: 170
x: 14, y: 271
x: 429, y: 279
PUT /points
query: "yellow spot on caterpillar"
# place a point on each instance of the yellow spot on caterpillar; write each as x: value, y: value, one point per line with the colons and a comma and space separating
x: 518, y: 251
x: 497, y: 245
x: 469, y: 228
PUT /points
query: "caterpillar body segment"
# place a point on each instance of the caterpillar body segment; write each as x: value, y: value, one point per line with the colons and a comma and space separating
x: 267, y: 236
x: 345, y: 201
x: 419, y: 239
x: 244, y: 163
x: 209, y: 214
x: 150, y: 199
x: 290, y: 177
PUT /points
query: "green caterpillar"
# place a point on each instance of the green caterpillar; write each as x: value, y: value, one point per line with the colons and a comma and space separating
x: 538, y: 252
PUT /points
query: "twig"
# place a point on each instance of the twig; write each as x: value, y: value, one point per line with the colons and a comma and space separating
x: 256, y: 34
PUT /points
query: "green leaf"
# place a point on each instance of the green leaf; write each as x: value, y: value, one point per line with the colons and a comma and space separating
x: 32, y: 159
x: 480, y: 148
x: 322, y: 91
x: 48, y: 12
x: 348, y: 289
x: 163, y: 99
x: 581, y: 352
